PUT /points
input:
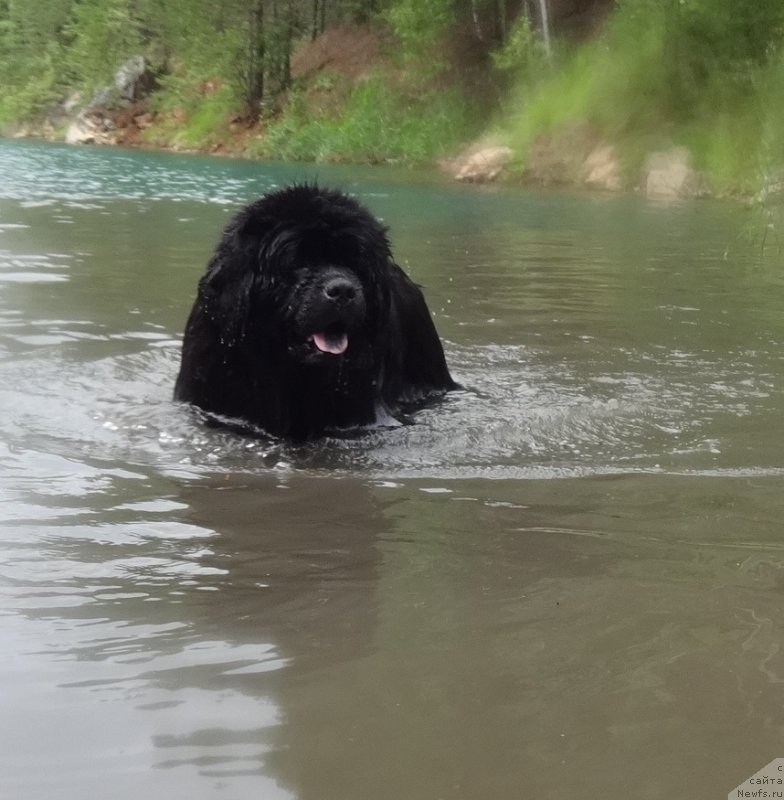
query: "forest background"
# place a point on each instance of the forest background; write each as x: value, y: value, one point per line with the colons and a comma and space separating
x: 414, y: 81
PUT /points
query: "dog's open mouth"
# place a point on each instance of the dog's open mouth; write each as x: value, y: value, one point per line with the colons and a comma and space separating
x: 333, y: 341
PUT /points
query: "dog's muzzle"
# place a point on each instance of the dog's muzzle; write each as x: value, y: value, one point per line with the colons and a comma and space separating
x: 331, y: 309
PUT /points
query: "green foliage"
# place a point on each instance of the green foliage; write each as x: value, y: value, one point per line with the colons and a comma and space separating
x: 419, y: 25
x: 703, y: 51
x: 29, y: 89
x: 30, y: 57
x: 378, y: 124
x: 101, y: 35
x: 522, y: 56
x: 199, y: 122
x: 692, y: 72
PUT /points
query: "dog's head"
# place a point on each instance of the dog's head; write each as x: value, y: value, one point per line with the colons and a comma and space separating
x: 299, y: 274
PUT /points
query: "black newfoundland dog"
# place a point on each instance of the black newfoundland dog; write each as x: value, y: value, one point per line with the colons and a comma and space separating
x: 304, y: 324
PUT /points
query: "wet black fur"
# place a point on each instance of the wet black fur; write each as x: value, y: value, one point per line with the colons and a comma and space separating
x: 269, y: 285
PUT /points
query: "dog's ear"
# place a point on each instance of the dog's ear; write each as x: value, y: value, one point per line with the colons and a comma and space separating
x: 225, y: 293
x: 414, y: 355
x: 238, y: 273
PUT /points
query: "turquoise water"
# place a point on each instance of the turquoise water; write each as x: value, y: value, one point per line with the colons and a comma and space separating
x: 565, y: 581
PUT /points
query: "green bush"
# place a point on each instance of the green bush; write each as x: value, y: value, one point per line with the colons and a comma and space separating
x: 418, y: 24
x: 378, y: 123
x: 522, y: 56
x: 702, y: 73
x: 101, y: 35
x: 207, y: 116
x: 30, y: 94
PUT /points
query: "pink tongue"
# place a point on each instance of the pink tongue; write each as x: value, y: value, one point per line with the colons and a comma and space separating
x: 327, y: 343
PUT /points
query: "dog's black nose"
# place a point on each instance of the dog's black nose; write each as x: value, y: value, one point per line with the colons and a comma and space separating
x: 340, y: 290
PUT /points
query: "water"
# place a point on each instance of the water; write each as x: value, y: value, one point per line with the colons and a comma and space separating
x: 566, y: 581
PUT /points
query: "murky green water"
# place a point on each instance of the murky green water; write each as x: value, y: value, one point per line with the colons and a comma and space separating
x: 567, y: 581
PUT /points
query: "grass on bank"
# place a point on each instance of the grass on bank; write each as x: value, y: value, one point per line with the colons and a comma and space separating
x: 191, y: 113
x: 373, y: 123
x: 378, y: 123
x: 664, y: 74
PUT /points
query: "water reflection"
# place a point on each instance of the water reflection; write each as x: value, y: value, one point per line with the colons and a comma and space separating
x: 162, y: 615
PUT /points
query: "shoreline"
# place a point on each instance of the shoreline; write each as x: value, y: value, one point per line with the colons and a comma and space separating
x: 667, y: 176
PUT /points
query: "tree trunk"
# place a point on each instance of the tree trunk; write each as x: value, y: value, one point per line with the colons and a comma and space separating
x: 256, y: 56
x: 545, y: 20
x: 314, y: 26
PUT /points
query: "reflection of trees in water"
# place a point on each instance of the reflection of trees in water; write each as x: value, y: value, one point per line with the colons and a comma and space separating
x: 436, y: 704
x: 194, y: 623
x: 296, y: 563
